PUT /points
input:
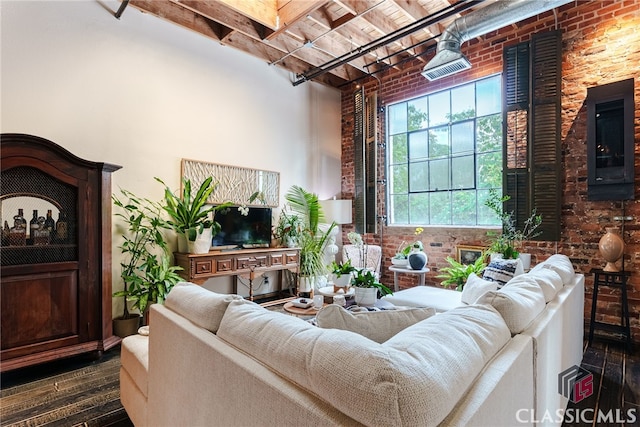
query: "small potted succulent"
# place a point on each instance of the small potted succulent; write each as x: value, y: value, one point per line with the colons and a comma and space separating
x: 367, y: 287
x: 342, y: 273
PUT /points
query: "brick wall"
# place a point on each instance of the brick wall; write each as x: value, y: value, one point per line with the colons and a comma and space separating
x: 601, y: 44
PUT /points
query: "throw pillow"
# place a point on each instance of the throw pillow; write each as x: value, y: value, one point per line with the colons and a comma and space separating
x: 519, y: 302
x: 201, y: 306
x: 378, y: 326
x: 476, y: 287
x: 502, y: 270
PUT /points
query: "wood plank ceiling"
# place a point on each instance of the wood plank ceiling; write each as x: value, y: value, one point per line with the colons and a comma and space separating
x: 334, y: 42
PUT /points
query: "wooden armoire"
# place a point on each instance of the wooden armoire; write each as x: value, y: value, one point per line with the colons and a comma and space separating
x: 55, y: 292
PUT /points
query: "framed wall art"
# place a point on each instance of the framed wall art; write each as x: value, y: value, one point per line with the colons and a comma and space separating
x: 469, y: 254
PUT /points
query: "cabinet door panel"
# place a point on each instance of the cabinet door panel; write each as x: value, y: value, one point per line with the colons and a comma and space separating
x: 39, y: 308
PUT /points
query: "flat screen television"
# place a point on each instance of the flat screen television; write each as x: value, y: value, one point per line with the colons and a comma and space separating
x: 243, y: 231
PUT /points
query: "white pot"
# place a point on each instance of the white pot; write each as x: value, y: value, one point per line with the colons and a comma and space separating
x: 343, y: 280
x: 183, y: 248
x: 305, y: 283
x: 202, y: 244
x: 366, y: 296
x: 526, y: 261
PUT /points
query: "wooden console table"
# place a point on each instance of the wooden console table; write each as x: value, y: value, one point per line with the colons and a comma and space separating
x: 251, y: 263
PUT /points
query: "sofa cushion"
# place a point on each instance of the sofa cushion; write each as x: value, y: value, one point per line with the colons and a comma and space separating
x: 549, y: 281
x: 414, y: 378
x: 502, y: 270
x: 378, y: 326
x: 559, y: 263
x: 519, y: 302
x: 201, y: 306
x: 475, y: 287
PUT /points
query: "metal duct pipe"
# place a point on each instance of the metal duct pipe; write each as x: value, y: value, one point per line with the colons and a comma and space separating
x: 450, y: 60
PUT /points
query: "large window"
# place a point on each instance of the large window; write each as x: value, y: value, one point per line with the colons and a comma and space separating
x: 445, y: 155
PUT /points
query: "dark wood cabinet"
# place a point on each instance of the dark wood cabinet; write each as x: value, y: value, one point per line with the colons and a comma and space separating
x: 55, y: 295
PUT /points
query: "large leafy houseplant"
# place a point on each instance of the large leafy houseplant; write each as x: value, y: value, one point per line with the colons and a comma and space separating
x: 189, y: 212
x: 311, y: 240
x: 457, y: 273
x: 147, y: 273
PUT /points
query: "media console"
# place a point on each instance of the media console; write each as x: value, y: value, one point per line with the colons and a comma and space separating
x: 250, y: 263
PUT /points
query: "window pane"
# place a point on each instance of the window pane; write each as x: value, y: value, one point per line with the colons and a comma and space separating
x: 462, y: 137
x: 489, y: 133
x: 463, y: 103
x: 439, y: 112
x: 417, y: 110
x: 418, y: 176
x: 489, y: 173
x: 397, y: 118
x: 419, y: 208
x: 489, y: 96
x: 463, y: 172
x: 464, y: 207
x: 398, y: 148
x: 439, y: 175
x: 439, y: 142
x: 399, y: 209
x: 440, y: 212
x: 418, y: 147
x: 399, y: 179
x: 485, y: 215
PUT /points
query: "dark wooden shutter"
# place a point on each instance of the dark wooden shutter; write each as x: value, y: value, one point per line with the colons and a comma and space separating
x: 532, y: 79
x: 358, y: 160
x: 546, y: 162
x: 371, y: 150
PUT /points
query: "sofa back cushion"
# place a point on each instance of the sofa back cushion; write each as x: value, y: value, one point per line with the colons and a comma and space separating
x: 414, y: 378
x: 559, y: 263
x: 519, y: 302
x: 201, y: 306
x: 549, y: 281
x: 378, y: 326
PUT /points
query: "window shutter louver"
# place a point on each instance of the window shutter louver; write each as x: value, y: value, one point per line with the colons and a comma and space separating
x: 371, y: 163
x: 358, y: 160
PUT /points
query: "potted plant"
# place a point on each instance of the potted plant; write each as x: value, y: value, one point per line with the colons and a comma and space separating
x: 342, y: 272
x: 311, y: 240
x: 457, y: 273
x: 507, y: 243
x: 191, y: 216
x: 288, y: 229
x: 147, y: 273
x: 367, y: 287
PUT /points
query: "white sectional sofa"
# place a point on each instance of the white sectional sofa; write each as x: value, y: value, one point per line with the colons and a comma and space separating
x: 215, y: 359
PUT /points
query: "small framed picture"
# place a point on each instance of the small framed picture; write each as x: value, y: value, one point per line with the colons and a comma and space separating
x: 469, y: 254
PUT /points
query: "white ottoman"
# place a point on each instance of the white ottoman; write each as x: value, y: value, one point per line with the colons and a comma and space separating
x: 426, y: 296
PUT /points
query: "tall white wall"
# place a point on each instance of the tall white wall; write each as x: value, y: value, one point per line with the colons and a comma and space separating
x: 142, y: 93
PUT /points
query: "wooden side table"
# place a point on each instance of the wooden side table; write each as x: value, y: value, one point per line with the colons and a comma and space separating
x: 614, y: 280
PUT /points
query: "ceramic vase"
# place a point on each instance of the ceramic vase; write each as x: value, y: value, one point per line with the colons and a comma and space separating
x: 202, y: 244
x: 417, y: 260
x: 366, y: 296
x: 611, y: 248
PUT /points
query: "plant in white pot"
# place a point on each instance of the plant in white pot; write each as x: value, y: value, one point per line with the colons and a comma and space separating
x: 311, y: 240
x: 190, y: 214
x: 147, y: 273
x: 342, y: 272
x: 368, y: 288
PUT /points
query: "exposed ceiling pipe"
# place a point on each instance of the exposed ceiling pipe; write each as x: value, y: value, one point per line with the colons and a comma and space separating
x: 450, y: 60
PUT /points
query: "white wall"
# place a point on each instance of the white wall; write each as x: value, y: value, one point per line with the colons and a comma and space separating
x: 142, y: 93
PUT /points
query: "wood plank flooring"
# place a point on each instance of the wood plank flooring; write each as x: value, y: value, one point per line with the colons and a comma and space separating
x: 83, y: 392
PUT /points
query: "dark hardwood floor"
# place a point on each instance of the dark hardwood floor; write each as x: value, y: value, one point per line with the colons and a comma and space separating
x: 84, y: 392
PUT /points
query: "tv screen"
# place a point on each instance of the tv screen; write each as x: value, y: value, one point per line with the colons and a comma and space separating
x: 245, y: 231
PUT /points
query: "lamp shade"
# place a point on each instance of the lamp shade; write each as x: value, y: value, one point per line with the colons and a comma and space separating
x: 338, y: 211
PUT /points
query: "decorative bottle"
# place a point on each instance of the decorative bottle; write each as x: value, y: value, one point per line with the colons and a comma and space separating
x: 61, y: 227
x: 33, y: 226
x: 18, y: 233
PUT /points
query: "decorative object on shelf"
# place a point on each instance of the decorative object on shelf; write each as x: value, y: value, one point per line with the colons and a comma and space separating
x: 190, y: 214
x: 147, y: 273
x: 511, y: 238
x: 235, y: 184
x: 457, y: 273
x: 611, y: 248
x: 288, y: 228
x: 417, y: 259
x: 401, y: 258
x: 366, y: 287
